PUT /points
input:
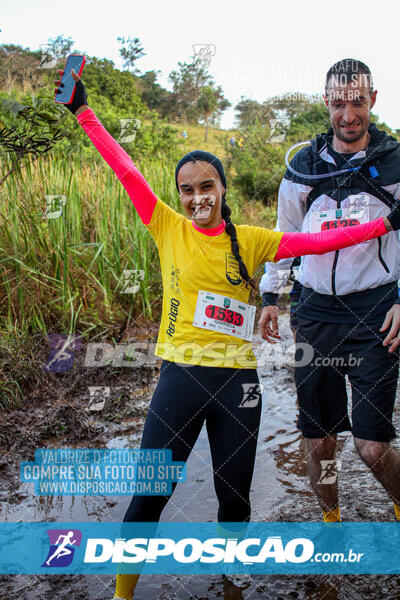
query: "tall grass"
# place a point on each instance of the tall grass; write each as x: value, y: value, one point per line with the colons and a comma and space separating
x: 66, y: 273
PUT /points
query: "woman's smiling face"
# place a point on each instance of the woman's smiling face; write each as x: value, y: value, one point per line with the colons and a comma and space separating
x: 201, y: 191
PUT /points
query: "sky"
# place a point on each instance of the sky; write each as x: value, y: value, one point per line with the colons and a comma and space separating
x: 261, y: 48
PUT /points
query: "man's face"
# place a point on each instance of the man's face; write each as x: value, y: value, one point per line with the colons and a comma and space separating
x: 349, y: 104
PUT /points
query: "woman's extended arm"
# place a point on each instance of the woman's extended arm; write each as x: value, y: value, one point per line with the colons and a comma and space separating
x: 300, y: 244
x: 131, y: 178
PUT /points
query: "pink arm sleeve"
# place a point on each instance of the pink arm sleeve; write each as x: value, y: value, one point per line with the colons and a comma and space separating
x: 299, y: 244
x: 131, y: 178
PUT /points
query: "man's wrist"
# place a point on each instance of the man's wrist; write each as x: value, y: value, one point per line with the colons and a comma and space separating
x: 270, y: 299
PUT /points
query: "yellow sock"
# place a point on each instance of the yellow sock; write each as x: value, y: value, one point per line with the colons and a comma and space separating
x: 332, y: 516
x: 397, y: 510
x: 126, y: 584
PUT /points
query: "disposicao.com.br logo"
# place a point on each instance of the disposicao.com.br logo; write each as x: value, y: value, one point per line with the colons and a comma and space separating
x: 199, y: 547
x: 192, y: 550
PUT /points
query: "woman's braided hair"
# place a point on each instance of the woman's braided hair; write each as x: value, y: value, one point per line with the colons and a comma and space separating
x: 231, y: 231
x: 225, y: 209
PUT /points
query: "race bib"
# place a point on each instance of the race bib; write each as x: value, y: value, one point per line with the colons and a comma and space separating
x: 347, y: 216
x: 224, y: 314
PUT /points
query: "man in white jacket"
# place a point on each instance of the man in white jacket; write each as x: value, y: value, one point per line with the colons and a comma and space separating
x: 348, y: 315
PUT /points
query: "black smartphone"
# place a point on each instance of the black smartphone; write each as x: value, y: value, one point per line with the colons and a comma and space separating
x: 76, y: 62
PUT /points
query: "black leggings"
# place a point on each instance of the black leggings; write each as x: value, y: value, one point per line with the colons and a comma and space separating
x: 185, y: 396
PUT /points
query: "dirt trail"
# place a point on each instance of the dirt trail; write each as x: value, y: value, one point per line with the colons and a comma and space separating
x: 280, y: 490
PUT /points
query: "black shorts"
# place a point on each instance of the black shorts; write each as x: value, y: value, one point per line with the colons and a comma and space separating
x: 339, y: 349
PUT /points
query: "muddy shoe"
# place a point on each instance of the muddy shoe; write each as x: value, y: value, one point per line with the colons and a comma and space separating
x: 240, y: 580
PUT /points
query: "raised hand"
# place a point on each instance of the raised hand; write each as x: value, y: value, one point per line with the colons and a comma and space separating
x: 80, y: 97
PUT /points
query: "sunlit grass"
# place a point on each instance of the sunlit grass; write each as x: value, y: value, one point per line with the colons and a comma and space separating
x: 58, y: 271
x: 195, y: 139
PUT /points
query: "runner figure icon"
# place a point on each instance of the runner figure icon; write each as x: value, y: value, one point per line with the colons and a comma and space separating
x: 251, y: 395
x: 62, y: 550
x: 329, y: 471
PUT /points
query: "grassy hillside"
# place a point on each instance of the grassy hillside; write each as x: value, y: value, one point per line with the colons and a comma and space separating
x: 216, y: 143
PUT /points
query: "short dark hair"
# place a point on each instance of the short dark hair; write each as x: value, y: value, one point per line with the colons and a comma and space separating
x: 344, y: 71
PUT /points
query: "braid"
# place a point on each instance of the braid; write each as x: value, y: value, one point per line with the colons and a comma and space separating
x: 231, y: 231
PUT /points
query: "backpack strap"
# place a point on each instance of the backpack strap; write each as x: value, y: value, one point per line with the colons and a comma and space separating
x: 367, y: 183
x: 364, y: 177
x: 319, y: 189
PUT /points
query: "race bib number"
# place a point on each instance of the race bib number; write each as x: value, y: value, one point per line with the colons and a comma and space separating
x: 355, y: 214
x: 224, y: 314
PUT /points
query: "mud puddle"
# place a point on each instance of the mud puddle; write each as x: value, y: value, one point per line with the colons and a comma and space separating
x: 280, y: 492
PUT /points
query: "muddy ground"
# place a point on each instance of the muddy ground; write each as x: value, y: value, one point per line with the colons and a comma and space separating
x: 57, y: 417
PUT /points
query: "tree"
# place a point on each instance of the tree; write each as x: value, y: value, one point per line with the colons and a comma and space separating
x: 260, y: 161
x: 188, y: 81
x: 131, y: 51
x: 292, y: 104
x: 61, y: 46
x: 286, y: 106
x: 190, y: 100
x: 211, y: 104
x: 306, y: 124
x: 249, y: 111
x: 32, y: 131
x: 155, y: 96
x: 106, y: 84
x: 18, y: 66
